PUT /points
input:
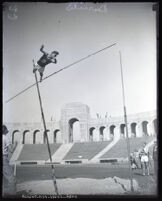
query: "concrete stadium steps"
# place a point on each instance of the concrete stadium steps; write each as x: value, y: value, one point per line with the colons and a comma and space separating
x: 60, y: 153
x: 119, y: 150
x: 103, y: 151
x: 16, y: 154
x: 37, y: 152
x: 85, y: 150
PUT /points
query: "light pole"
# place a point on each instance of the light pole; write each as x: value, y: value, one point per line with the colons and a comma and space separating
x: 126, y: 126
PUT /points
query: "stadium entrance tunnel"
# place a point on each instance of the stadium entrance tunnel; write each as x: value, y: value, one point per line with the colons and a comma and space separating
x: 101, y: 130
x: 91, y: 134
x: 145, y: 128
x: 123, y: 130
x: 55, y: 135
x: 112, y: 128
x: 109, y: 161
x: 29, y: 163
x: 74, y: 130
x: 15, y: 136
x: 73, y: 162
x: 35, y: 136
x: 133, y: 129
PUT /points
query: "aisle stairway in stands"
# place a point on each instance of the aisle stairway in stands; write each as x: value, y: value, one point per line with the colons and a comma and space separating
x: 16, y: 154
x: 103, y: 151
x: 85, y: 150
x: 60, y: 153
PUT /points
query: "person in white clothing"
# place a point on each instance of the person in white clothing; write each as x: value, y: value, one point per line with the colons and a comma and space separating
x: 144, y: 156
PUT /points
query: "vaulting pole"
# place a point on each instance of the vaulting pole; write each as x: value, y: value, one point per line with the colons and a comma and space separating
x: 46, y: 136
x: 64, y: 68
x: 126, y: 125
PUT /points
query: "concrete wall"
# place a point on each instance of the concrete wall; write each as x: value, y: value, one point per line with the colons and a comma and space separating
x: 138, y: 125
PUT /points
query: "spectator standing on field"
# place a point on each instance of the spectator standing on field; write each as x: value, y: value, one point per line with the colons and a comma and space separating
x: 144, y: 155
x: 8, y: 172
x: 134, y: 164
x: 155, y: 156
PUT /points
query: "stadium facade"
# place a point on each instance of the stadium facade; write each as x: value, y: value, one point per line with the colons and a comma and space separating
x: 90, y: 129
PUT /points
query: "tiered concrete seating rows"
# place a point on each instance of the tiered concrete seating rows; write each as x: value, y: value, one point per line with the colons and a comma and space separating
x: 120, y: 149
x: 37, y: 151
x: 85, y: 150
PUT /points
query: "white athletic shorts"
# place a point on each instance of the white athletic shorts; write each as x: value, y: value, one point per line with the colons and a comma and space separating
x: 39, y: 68
x: 144, y: 158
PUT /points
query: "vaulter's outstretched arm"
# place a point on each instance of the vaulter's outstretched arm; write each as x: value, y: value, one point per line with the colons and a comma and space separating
x: 41, y: 49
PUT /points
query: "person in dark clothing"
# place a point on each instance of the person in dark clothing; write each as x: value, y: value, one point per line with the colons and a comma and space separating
x: 44, y: 61
x: 155, y: 158
x: 134, y: 164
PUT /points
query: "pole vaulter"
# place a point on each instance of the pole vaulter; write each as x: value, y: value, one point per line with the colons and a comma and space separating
x: 66, y: 67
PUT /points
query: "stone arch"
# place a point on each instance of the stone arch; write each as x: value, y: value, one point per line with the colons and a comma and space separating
x: 145, y: 128
x: 55, y: 135
x: 71, y: 133
x: 112, y: 128
x: 91, y: 133
x: 13, y: 136
x: 34, y: 136
x: 24, y: 133
x: 44, y: 136
x: 101, y: 133
x: 70, y: 113
x: 123, y: 130
x: 134, y: 129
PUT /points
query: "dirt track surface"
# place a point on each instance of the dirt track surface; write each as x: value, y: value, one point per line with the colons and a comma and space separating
x: 79, y: 186
x: 85, y: 179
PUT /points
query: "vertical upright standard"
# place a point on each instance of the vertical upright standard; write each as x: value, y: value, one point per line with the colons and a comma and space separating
x: 126, y: 126
x: 46, y: 136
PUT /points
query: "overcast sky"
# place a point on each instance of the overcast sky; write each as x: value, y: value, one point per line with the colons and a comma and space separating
x: 76, y: 32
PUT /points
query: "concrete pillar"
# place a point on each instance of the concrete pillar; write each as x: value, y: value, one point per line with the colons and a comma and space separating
x: 84, y: 134
x: 106, y: 134
x: 50, y: 136
x: 39, y: 137
x: 96, y: 134
x: 59, y: 137
x: 136, y: 130
x: 117, y: 132
x: 129, y: 130
x: 139, y: 130
x: 150, y: 128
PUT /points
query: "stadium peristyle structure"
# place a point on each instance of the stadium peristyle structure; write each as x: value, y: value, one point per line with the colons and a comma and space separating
x: 78, y: 138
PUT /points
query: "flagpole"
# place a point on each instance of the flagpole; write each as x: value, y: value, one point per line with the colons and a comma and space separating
x: 45, y: 133
x: 126, y: 125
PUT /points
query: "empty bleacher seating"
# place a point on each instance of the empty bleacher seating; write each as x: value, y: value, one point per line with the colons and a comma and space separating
x: 85, y: 150
x: 37, y: 152
x: 119, y: 150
